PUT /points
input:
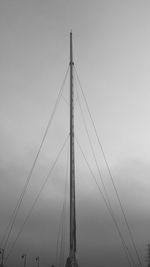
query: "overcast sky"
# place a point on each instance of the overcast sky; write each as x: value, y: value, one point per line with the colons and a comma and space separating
x: 111, y: 42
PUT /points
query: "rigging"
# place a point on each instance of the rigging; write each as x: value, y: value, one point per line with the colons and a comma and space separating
x: 110, y: 175
x: 36, y: 199
x: 11, y: 223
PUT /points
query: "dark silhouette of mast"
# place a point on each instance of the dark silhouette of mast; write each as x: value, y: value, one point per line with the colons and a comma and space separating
x: 71, y: 260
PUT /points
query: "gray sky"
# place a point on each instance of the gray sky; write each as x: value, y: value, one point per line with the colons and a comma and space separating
x: 111, y: 42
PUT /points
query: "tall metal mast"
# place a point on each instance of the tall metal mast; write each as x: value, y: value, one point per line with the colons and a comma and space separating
x: 71, y: 261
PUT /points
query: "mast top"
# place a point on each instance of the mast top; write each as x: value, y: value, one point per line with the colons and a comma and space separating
x: 71, y: 49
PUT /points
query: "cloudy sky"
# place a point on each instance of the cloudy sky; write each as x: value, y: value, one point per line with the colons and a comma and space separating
x: 111, y: 41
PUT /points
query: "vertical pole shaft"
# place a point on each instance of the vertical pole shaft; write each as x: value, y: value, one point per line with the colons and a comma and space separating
x: 72, y: 158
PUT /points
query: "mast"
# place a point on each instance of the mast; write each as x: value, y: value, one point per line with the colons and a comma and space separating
x: 71, y: 261
x: 72, y: 158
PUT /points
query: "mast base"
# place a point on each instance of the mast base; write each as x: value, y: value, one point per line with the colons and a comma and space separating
x: 71, y: 262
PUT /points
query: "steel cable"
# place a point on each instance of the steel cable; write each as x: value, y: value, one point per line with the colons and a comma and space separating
x: 111, y: 177
x: 126, y: 251
x: 11, y: 223
x: 36, y: 199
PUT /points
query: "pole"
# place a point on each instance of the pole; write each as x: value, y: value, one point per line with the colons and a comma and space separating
x: 71, y: 260
x: 72, y: 159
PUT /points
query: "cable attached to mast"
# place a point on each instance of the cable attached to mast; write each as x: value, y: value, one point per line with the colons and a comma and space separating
x: 125, y: 248
x: 110, y: 175
x: 11, y: 223
x: 36, y: 199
